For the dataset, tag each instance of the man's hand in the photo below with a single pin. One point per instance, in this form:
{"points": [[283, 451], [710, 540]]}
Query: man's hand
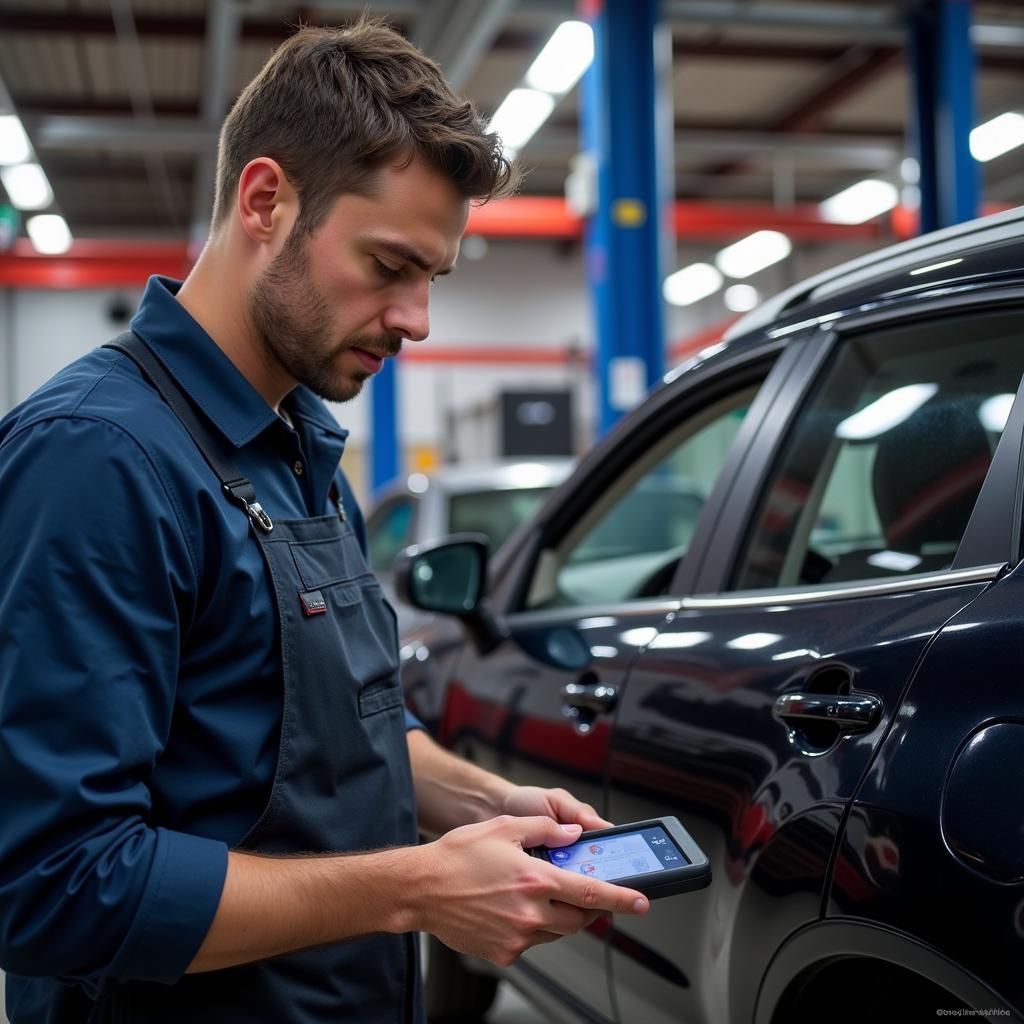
{"points": [[526, 801], [485, 896]]}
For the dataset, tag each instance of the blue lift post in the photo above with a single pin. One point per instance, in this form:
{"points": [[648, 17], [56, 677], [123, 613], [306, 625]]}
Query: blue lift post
{"points": [[625, 231], [943, 65], [384, 448]]}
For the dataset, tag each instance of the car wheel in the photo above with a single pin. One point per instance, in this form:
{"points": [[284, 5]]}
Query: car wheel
{"points": [[452, 992]]}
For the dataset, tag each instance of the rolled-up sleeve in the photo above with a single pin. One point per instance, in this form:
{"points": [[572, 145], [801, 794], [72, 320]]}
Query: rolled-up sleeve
{"points": [[97, 586]]}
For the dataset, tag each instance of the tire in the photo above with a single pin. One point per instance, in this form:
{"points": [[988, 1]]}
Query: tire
{"points": [[453, 993]]}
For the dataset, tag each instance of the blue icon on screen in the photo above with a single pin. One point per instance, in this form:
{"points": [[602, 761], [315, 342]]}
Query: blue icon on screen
{"points": [[560, 856]]}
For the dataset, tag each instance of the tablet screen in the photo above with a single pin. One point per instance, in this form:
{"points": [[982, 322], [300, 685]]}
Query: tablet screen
{"points": [[621, 855]]}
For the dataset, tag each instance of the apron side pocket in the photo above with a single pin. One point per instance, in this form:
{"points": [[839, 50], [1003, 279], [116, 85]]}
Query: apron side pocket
{"points": [[379, 695]]}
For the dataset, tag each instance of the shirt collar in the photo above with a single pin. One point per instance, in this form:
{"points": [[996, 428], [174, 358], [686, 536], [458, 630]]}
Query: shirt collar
{"points": [[199, 365]]}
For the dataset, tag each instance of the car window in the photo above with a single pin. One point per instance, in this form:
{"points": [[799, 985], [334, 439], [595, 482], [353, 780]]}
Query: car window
{"points": [[494, 513], [389, 530], [629, 543], [882, 468]]}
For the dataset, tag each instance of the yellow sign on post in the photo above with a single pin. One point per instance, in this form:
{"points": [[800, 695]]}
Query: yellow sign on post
{"points": [[629, 213]]}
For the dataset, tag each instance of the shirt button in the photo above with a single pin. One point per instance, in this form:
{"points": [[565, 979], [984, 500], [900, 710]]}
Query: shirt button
{"points": [[298, 468]]}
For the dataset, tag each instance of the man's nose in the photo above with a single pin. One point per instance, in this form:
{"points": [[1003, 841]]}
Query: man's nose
{"points": [[410, 317]]}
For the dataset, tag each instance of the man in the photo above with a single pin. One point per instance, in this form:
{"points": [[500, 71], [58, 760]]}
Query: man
{"points": [[208, 800]]}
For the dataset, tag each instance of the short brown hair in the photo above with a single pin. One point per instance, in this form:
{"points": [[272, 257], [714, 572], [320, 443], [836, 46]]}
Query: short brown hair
{"points": [[332, 105]]}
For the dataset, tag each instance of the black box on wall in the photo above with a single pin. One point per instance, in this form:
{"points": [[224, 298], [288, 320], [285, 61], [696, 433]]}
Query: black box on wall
{"points": [[536, 423]]}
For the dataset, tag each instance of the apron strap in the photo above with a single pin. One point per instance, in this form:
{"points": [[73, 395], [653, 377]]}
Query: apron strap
{"points": [[238, 490]]}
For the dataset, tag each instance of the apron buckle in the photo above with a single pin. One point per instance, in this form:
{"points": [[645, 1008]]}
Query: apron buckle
{"points": [[241, 493], [258, 516]]}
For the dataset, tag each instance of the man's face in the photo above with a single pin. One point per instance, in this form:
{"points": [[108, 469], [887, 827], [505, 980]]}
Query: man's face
{"points": [[331, 307]]}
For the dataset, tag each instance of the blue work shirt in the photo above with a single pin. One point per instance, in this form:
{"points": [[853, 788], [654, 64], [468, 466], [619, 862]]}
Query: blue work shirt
{"points": [[140, 660]]}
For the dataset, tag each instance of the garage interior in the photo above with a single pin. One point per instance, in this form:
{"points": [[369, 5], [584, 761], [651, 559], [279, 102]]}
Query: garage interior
{"points": [[776, 108], [741, 145]]}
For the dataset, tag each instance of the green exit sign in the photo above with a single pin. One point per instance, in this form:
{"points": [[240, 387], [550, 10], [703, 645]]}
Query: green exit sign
{"points": [[10, 221]]}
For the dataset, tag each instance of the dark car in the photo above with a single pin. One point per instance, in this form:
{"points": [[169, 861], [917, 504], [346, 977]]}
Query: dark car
{"points": [[823, 678]]}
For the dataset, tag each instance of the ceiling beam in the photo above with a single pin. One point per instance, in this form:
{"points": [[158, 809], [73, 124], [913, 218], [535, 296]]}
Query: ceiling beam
{"points": [[869, 153], [188, 135], [177, 134], [468, 36], [273, 20], [862, 22], [147, 26], [855, 68]]}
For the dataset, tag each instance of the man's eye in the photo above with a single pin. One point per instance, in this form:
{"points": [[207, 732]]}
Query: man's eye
{"points": [[385, 271]]}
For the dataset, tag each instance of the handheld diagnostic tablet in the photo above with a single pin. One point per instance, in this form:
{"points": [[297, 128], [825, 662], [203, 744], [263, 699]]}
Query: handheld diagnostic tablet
{"points": [[657, 857]]}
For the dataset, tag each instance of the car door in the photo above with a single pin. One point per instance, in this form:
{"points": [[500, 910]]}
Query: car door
{"points": [[753, 713], [931, 849], [538, 708]]}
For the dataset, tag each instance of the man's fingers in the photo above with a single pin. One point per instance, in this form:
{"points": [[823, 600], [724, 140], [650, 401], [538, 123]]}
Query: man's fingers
{"points": [[590, 894], [565, 919], [542, 831]]}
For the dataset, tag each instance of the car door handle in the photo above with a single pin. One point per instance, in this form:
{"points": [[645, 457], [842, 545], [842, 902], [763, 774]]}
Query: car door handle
{"points": [[598, 698], [583, 702], [850, 713]]}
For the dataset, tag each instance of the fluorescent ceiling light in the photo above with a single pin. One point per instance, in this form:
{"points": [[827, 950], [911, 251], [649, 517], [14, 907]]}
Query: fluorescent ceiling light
{"points": [[567, 54], [994, 412], [521, 113], [49, 233], [692, 283], [27, 186], [860, 202], [14, 144], [741, 298], [886, 412], [753, 253], [998, 136]]}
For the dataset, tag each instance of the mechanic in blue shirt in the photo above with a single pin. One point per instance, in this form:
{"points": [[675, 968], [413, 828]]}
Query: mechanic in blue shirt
{"points": [[210, 790]]}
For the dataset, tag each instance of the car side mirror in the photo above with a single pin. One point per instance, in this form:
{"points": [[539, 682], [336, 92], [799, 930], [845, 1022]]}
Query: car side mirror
{"points": [[448, 576]]}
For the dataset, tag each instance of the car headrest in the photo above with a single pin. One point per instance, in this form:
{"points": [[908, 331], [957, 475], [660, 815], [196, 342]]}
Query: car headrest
{"points": [[927, 473]]}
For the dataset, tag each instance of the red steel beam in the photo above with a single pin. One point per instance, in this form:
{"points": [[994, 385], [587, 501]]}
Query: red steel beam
{"points": [[93, 264], [550, 217]]}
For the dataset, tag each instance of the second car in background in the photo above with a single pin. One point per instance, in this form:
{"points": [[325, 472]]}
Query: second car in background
{"points": [[492, 499]]}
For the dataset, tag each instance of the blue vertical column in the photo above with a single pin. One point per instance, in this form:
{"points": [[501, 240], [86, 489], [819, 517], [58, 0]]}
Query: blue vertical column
{"points": [[384, 443], [623, 234], [943, 65]]}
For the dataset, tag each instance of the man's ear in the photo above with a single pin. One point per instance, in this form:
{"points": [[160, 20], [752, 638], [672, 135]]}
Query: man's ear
{"points": [[267, 204]]}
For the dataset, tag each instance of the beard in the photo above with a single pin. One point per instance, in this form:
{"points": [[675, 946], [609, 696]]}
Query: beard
{"points": [[294, 326]]}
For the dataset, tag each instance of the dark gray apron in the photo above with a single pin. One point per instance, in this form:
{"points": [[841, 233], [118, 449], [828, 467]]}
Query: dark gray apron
{"points": [[342, 782]]}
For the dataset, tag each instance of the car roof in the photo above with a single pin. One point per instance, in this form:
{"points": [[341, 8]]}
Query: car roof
{"points": [[886, 269]]}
